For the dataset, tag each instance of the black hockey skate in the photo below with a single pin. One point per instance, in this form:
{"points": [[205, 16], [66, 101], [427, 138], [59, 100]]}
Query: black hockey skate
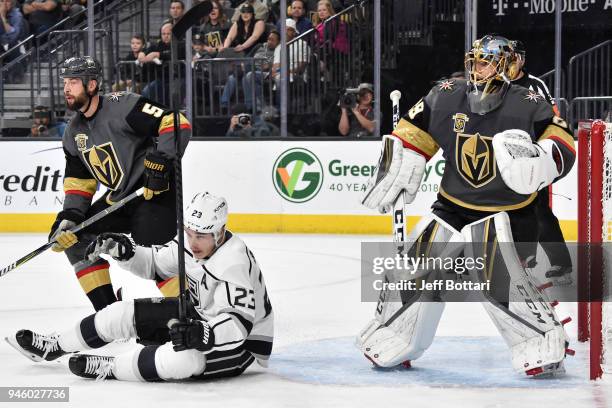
{"points": [[90, 366], [35, 346], [560, 275]]}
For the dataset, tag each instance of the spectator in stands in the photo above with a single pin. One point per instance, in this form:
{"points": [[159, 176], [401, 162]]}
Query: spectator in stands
{"points": [[70, 8], [198, 52], [297, 12], [298, 55], [43, 124], [260, 9], [177, 9], [358, 120], [247, 32], [13, 29], [332, 34], [264, 59], [130, 70], [42, 14], [264, 56], [156, 67], [214, 30]]}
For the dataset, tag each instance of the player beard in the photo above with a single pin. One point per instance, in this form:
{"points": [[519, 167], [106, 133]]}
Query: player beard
{"points": [[78, 101]]}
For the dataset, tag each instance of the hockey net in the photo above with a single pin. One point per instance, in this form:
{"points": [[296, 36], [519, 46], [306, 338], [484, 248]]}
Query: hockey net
{"points": [[595, 242]]}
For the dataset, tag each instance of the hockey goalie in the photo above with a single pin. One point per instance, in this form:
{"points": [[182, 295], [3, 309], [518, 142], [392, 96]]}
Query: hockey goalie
{"points": [[502, 144]]}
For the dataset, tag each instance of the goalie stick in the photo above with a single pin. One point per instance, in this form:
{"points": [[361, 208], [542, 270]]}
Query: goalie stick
{"points": [[399, 219], [76, 229]]}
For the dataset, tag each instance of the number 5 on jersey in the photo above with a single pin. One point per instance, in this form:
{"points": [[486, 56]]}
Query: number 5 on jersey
{"points": [[154, 111]]}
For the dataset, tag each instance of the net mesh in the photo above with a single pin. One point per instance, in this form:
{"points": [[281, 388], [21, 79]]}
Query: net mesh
{"points": [[607, 250]]}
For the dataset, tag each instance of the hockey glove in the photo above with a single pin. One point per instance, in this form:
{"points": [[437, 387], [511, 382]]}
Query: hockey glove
{"points": [[191, 334], [119, 246], [526, 167], [156, 167], [60, 230]]}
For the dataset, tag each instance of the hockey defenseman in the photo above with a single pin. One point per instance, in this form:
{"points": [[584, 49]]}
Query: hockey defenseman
{"points": [[231, 318], [121, 141], [502, 144]]}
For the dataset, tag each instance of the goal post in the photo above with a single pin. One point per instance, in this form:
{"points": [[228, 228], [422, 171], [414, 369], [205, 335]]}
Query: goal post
{"points": [[594, 233]]}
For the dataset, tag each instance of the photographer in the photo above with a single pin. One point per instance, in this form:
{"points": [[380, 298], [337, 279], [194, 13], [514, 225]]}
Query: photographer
{"points": [[43, 126], [357, 119], [243, 125]]}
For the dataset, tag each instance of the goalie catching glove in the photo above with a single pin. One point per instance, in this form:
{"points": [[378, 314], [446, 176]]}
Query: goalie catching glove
{"points": [[525, 166], [399, 169], [156, 166], [119, 246], [191, 334], [60, 230]]}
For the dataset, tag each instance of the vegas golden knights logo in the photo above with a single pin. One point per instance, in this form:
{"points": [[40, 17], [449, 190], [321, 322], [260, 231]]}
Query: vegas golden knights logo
{"points": [[214, 39], [475, 159], [104, 165]]}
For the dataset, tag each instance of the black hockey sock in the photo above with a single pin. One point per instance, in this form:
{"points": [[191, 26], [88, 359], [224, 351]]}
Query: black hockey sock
{"points": [[101, 297], [89, 332], [146, 364]]}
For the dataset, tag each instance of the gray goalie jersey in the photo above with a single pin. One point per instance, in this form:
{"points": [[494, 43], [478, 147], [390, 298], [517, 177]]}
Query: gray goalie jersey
{"points": [[227, 290], [471, 180], [109, 147]]}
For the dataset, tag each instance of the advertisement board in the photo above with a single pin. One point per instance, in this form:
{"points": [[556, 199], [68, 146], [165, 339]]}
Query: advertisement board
{"points": [[271, 186]]}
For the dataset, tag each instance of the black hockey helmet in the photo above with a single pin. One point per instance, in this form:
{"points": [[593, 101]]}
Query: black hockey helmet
{"points": [[85, 67]]}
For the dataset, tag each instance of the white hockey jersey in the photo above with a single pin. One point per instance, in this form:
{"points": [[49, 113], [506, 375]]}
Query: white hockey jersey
{"points": [[227, 290]]}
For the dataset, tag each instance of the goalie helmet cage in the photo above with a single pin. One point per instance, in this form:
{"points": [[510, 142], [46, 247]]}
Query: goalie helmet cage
{"points": [[594, 234]]}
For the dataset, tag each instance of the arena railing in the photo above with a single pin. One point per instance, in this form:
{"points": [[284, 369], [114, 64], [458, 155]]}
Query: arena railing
{"points": [[151, 80], [15, 58], [589, 72], [63, 44], [589, 107]]}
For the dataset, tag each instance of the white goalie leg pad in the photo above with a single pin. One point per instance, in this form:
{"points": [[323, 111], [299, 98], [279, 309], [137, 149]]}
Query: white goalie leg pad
{"points": [[401, 330], [116, 321], [529, 324], [126, 365], [177, 365], [399, 169], [406, 338], [526, 167]]}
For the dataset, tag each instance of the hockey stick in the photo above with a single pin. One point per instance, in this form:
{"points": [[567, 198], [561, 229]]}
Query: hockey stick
{"points": [[399, 219], [76, 229], [189, 19]]}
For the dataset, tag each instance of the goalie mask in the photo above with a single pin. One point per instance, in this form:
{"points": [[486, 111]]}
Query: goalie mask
{"points": [[487, 64], [207, 214]]}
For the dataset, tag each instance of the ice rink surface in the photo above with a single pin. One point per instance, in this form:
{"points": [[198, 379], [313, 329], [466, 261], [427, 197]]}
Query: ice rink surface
{"points": [[314, 285]]}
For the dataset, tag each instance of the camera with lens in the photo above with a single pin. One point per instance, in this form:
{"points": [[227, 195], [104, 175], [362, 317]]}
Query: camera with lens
{"points": [[244, 120], [349, 99]]}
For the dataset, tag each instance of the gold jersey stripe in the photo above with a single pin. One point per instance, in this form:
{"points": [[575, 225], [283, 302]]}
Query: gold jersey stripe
{"points": [[167, 122], [95, 279], [560, 133], [170, 287], [416, 137], [86, 185], [485, 207]]}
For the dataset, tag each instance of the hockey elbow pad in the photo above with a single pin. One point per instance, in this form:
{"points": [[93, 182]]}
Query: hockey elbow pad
{"points": [[399, 169]]}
